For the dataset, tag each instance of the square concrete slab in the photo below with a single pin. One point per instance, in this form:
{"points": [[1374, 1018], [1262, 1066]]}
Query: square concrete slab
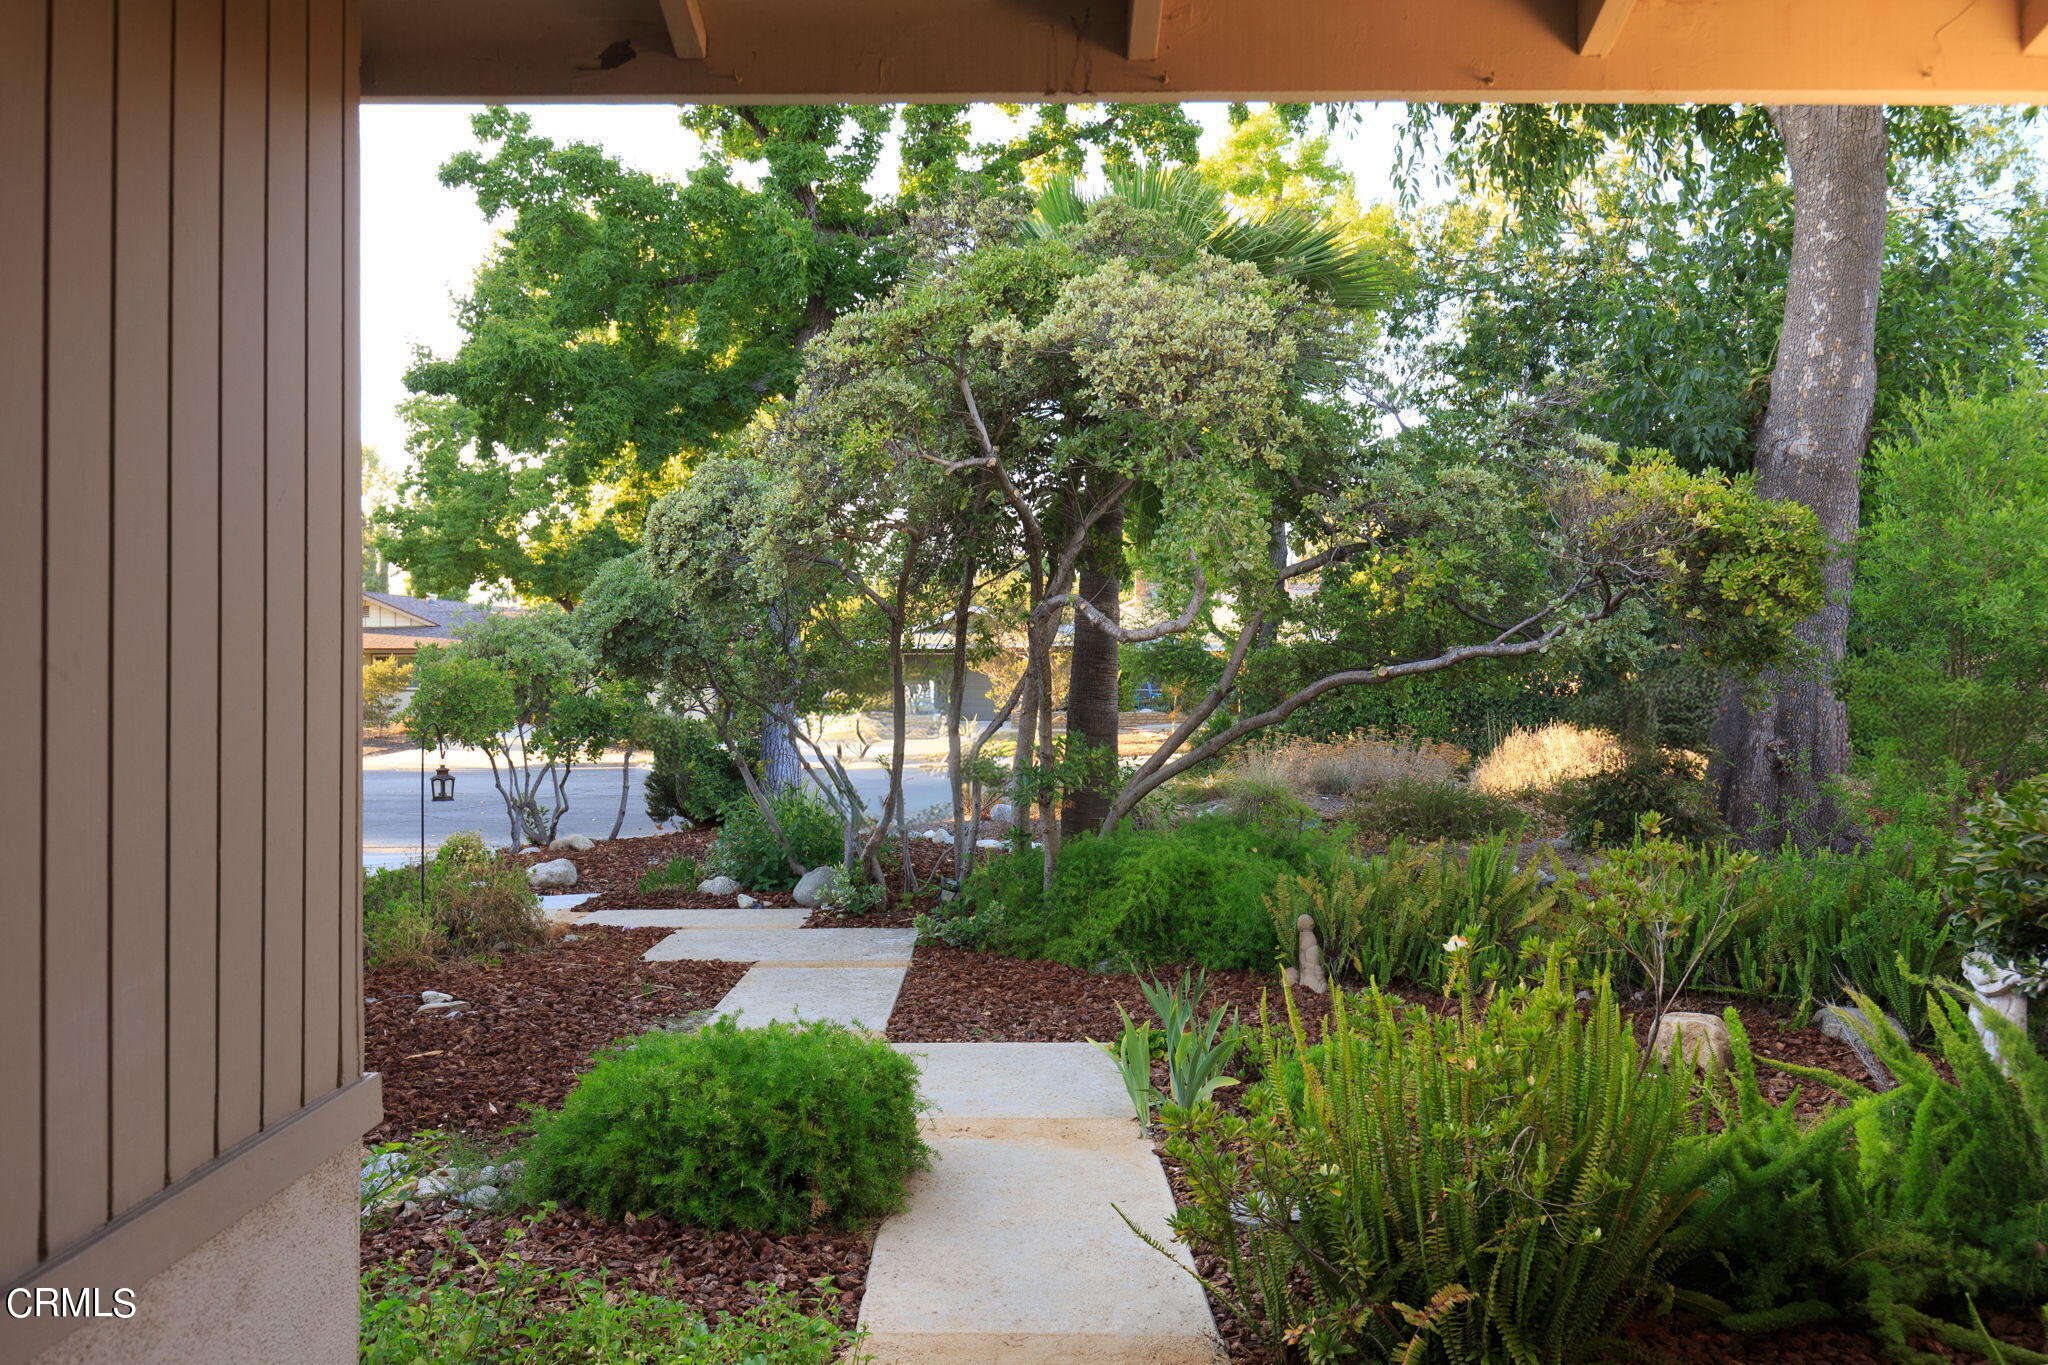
{"points": [[761, 917], [561, 904], [1011, 1252], [860, 997], [790, 947], [988, 1081]]}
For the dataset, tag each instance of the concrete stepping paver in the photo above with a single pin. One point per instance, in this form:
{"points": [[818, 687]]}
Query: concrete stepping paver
{"points": [[1022, 1089], [1011, 1252], [859, 997], [761, 917], [791, 947]]}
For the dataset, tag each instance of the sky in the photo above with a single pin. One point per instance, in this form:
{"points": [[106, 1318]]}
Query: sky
{"points": [[422, 243]]}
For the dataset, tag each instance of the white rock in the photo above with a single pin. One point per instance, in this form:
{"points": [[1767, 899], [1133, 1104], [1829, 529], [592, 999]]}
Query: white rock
{"points": [[810, 890], [717, 886], [573, 843], [1004, 812], [1701, 1039], [435, 1184], [478, 1197], [435, 997], [443, 1007], [747, 902], [551, 875], [992, 843]]}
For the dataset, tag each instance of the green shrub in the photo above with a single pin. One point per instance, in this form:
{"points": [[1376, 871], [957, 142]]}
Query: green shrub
{"points": [[465, 902], [1266, 803], [1928, 1199], [1998, 873], [771, 1129], [747, 851], [1386, 919], [1950, 658], [692, 777], [1605, 808], [384, 683], [1420, 809], [523, 1314], [674, 872], [1509, 1176], [1140, 898]]}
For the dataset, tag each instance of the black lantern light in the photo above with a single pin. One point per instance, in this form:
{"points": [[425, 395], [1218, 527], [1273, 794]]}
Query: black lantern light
{"points": [[444, 784]]}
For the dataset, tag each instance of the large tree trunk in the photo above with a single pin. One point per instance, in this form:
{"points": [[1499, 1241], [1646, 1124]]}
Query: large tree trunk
{"points": [[1773, 762], [1092, 672], [781, 765]]}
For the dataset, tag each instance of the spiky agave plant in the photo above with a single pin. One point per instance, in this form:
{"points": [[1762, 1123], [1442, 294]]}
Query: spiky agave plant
{"points": [[1498, 1183]]}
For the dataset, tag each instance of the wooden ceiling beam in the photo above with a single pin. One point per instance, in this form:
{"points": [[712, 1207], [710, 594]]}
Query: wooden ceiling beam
{"points": [[1143, 43], [1600, 24], [685, 27]]}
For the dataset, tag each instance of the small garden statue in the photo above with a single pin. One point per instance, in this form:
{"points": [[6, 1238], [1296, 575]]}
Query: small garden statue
{"points": [[1998, 884], [2000, 989], [1308, 956]]}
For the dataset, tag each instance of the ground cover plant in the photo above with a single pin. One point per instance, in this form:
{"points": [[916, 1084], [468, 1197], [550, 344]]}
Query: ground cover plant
{"points": [[462, 902], [524, 1314], [1194, 893], [777, 1128], [748, 851]]}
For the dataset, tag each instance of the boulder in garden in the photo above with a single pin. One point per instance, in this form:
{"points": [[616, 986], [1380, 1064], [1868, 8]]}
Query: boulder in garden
{"points": [[810, 890], [551, 876], [573, 843], [1701, 1039], [717, 886]]}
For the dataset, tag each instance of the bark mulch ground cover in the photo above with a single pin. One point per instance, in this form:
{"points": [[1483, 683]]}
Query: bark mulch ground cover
{"points": [[710, 1271], [615, 866], [533, 1019]]}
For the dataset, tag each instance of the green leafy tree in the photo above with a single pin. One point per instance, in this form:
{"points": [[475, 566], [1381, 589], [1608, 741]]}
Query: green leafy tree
{"points": [[1774, 758], [1951, 660], [516, 687]]}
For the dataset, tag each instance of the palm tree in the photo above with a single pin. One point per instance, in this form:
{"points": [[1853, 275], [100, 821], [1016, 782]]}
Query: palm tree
{"points": [[1284, 244]]}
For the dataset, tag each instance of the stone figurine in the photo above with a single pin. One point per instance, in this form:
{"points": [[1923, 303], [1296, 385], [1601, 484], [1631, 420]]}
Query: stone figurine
{"points": [[1997, 987]]}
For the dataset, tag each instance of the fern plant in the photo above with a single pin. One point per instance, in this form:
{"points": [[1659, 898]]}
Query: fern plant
{"points": [[1498, 1183], [1899, 1210]]}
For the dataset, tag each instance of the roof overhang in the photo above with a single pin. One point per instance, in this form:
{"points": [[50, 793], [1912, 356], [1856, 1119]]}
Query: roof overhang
{"points": [[795, 51]]}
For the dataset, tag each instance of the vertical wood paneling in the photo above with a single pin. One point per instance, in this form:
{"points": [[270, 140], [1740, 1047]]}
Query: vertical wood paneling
{"points": [[244, 146], [195, 666], [24, 57], [76, 600], [327, 730], [177, 371], [138, 778], [351, 925], [284, 610]]}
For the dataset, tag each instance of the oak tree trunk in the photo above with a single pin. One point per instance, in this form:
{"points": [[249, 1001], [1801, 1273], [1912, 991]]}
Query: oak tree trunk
{"points": [[1774, 759], [1092, 677]]}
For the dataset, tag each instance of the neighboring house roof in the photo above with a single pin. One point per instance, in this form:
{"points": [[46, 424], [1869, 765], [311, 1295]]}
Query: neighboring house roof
{"points": [[437, 617]]}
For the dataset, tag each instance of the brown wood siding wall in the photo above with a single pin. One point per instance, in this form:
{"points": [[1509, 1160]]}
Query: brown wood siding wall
{"points": [[178, 672]]}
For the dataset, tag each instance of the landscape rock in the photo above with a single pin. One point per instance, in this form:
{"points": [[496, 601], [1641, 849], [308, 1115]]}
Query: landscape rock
{"points": [[1701, 1039], [435, 997], [1845, 1024], [478, 1197], [443, 1007], [747, 902], [573, 843], [551, 876], [811, 889], [1003, 811], [717, 886]]}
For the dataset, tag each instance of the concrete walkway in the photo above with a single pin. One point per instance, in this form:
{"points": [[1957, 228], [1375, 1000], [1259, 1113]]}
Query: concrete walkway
{"points": [[1013, 1249]]}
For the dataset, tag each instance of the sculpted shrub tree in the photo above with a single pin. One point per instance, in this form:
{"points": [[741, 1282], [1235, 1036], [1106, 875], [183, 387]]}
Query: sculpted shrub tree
{"points": [[1013, 362], [517, 688]]}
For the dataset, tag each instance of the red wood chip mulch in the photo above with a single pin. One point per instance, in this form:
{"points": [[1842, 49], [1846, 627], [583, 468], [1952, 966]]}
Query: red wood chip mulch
{"points": [[710, 1271], [532, 1021]]}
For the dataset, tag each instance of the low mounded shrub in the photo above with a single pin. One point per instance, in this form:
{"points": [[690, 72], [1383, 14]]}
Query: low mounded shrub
{"points": [[1421, 809], [692, 778], [747, 851], [771, 1129], [1508, 1174], [1140, 898], [465, 902], [1606, 807]]}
